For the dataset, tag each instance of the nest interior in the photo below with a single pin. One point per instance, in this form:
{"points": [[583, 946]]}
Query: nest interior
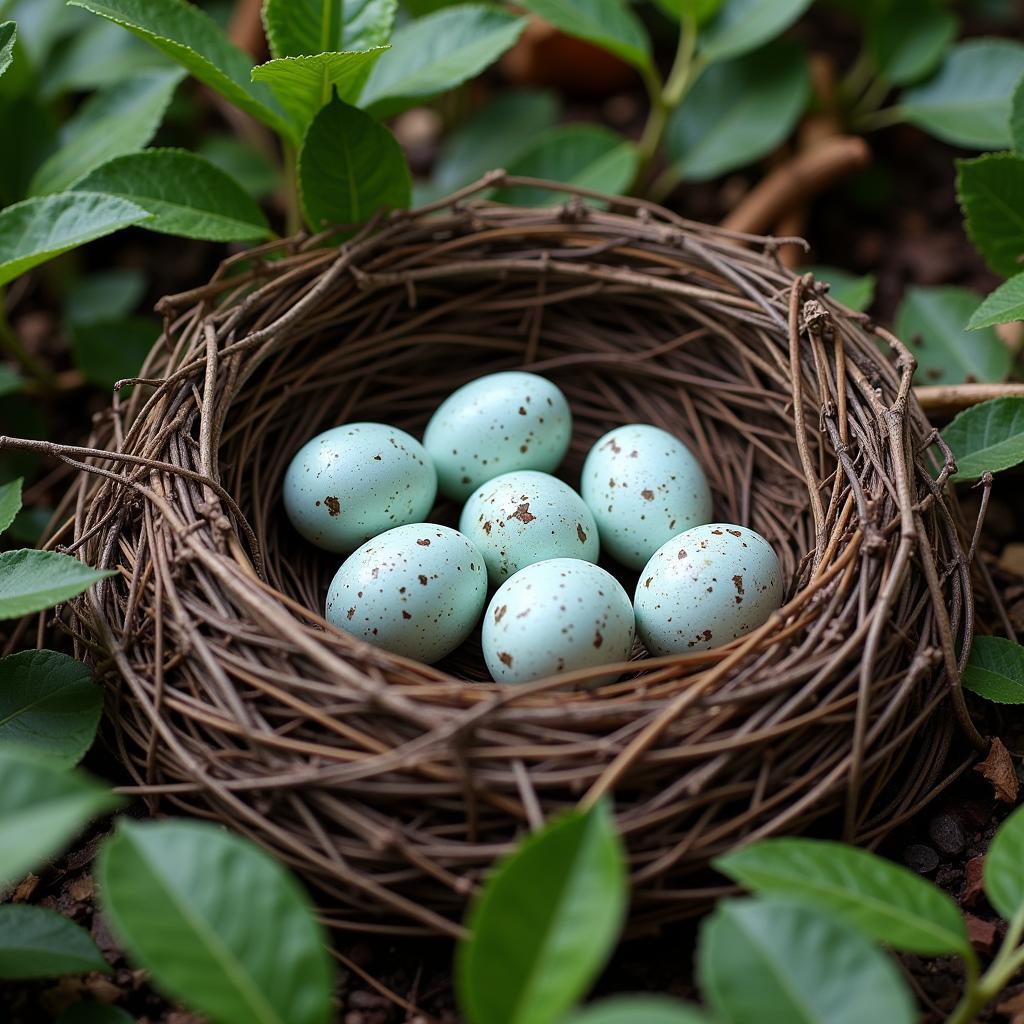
{"points": [[392, 786]]}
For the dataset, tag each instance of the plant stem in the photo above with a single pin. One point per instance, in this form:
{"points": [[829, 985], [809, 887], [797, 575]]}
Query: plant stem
{"points": [[979, 992], [293, 211], [11, 344], [858, 78], [874, 120]]}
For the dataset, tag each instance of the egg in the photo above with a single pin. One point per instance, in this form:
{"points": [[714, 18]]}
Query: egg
{"points": [[416, 590], [644, 486], [520, 518], [496, 424], [354, 481], [557, 616], [709, 585]]}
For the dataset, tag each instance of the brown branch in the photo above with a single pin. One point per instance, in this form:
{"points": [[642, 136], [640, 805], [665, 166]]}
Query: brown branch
{"points": [[950, 398]]}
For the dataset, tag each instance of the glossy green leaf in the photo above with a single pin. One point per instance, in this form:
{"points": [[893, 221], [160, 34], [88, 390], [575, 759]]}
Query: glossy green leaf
{"points": [[588, 155], [1003, 306], [639, 1010], [191, 37], [33, 580], [743, 25], [1017, 117], [26, 118], [48, 702], [303, 85], [995, 670], [186, 194], [10, 503], [886, 901], [967, 102], [1004, 879], [438, 52], [544, 924], [219, 923], [43, 806], [350, 166], [991, 193], [987, 438], [932, 322], [851, 290], [40, 943], [250, 167], [120, 119], [495, 136], [104, 295], [94, 1013], [907, 39], [111, 350], [42, 24], [770, 962], [304, 27], [609, 24], [8, 35], [36, 230], [739, 111]]}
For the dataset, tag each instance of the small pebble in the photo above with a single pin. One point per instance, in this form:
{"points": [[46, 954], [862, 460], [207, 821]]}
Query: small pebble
{"points": [[946, 832], [920, 858]]}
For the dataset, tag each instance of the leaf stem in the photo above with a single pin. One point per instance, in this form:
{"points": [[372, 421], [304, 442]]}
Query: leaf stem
{"points": [[876, 119], [12, 345], [979, 992], [293, 210]]}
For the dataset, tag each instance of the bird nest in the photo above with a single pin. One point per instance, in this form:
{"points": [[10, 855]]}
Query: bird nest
{"points": [[393, 786]]}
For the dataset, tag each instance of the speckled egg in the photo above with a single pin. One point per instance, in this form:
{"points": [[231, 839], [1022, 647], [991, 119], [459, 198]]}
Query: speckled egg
{"points": [[354, 481], [520, 518], [707, 586], [416, 590], [557, 616], [644, 486], [496, 424]]}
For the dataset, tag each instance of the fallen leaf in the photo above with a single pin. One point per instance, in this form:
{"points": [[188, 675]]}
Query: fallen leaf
{"points": [[82, 889], [982, 934], [25, 888], [1012, 559], [998, 769], [1013, 1008], [974, 884]]}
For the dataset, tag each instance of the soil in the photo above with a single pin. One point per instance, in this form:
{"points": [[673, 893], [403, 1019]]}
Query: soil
{"points": [[898, 221]]}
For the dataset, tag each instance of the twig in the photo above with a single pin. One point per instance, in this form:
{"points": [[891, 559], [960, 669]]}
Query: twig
{"points": [[947, 398]]}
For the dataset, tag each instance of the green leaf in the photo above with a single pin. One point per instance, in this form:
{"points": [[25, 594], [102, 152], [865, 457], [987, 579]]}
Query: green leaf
{"points": [[94, 1013], [192, 38], [588, 155], [887, 902], [1017, 117], [249, 166], [10, 503], [303, 85], [33, 580], [744, 25], [933, 323], [545, 923], [120, 119], [111, 350], [1003, 306], [701, 10], [991, 193], [987, 437], [739, 111], [8, 35], [42, 807], [907, 39], [186, 194], [968, 102], [302, 27], [103, 295], [1004, 880], [10, 380], [40, 943], [36, 230], [23, 117], [638, 1010], [495, 136], [609, 24], [219, 923], [995, 670], [435, 53], [48, 702], [850, 290], [769, 962], [350, 166]]}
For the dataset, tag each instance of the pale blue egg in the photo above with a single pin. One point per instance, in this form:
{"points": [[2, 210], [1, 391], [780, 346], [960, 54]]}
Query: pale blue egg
{"points": [[520, 518], [554, 617], [706, 587], [354, 481], [644, 486], [416, 590], [496, 424]]}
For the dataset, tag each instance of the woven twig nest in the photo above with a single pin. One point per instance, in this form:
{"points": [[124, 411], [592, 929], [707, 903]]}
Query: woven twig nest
{"points": [[392, 786]]}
